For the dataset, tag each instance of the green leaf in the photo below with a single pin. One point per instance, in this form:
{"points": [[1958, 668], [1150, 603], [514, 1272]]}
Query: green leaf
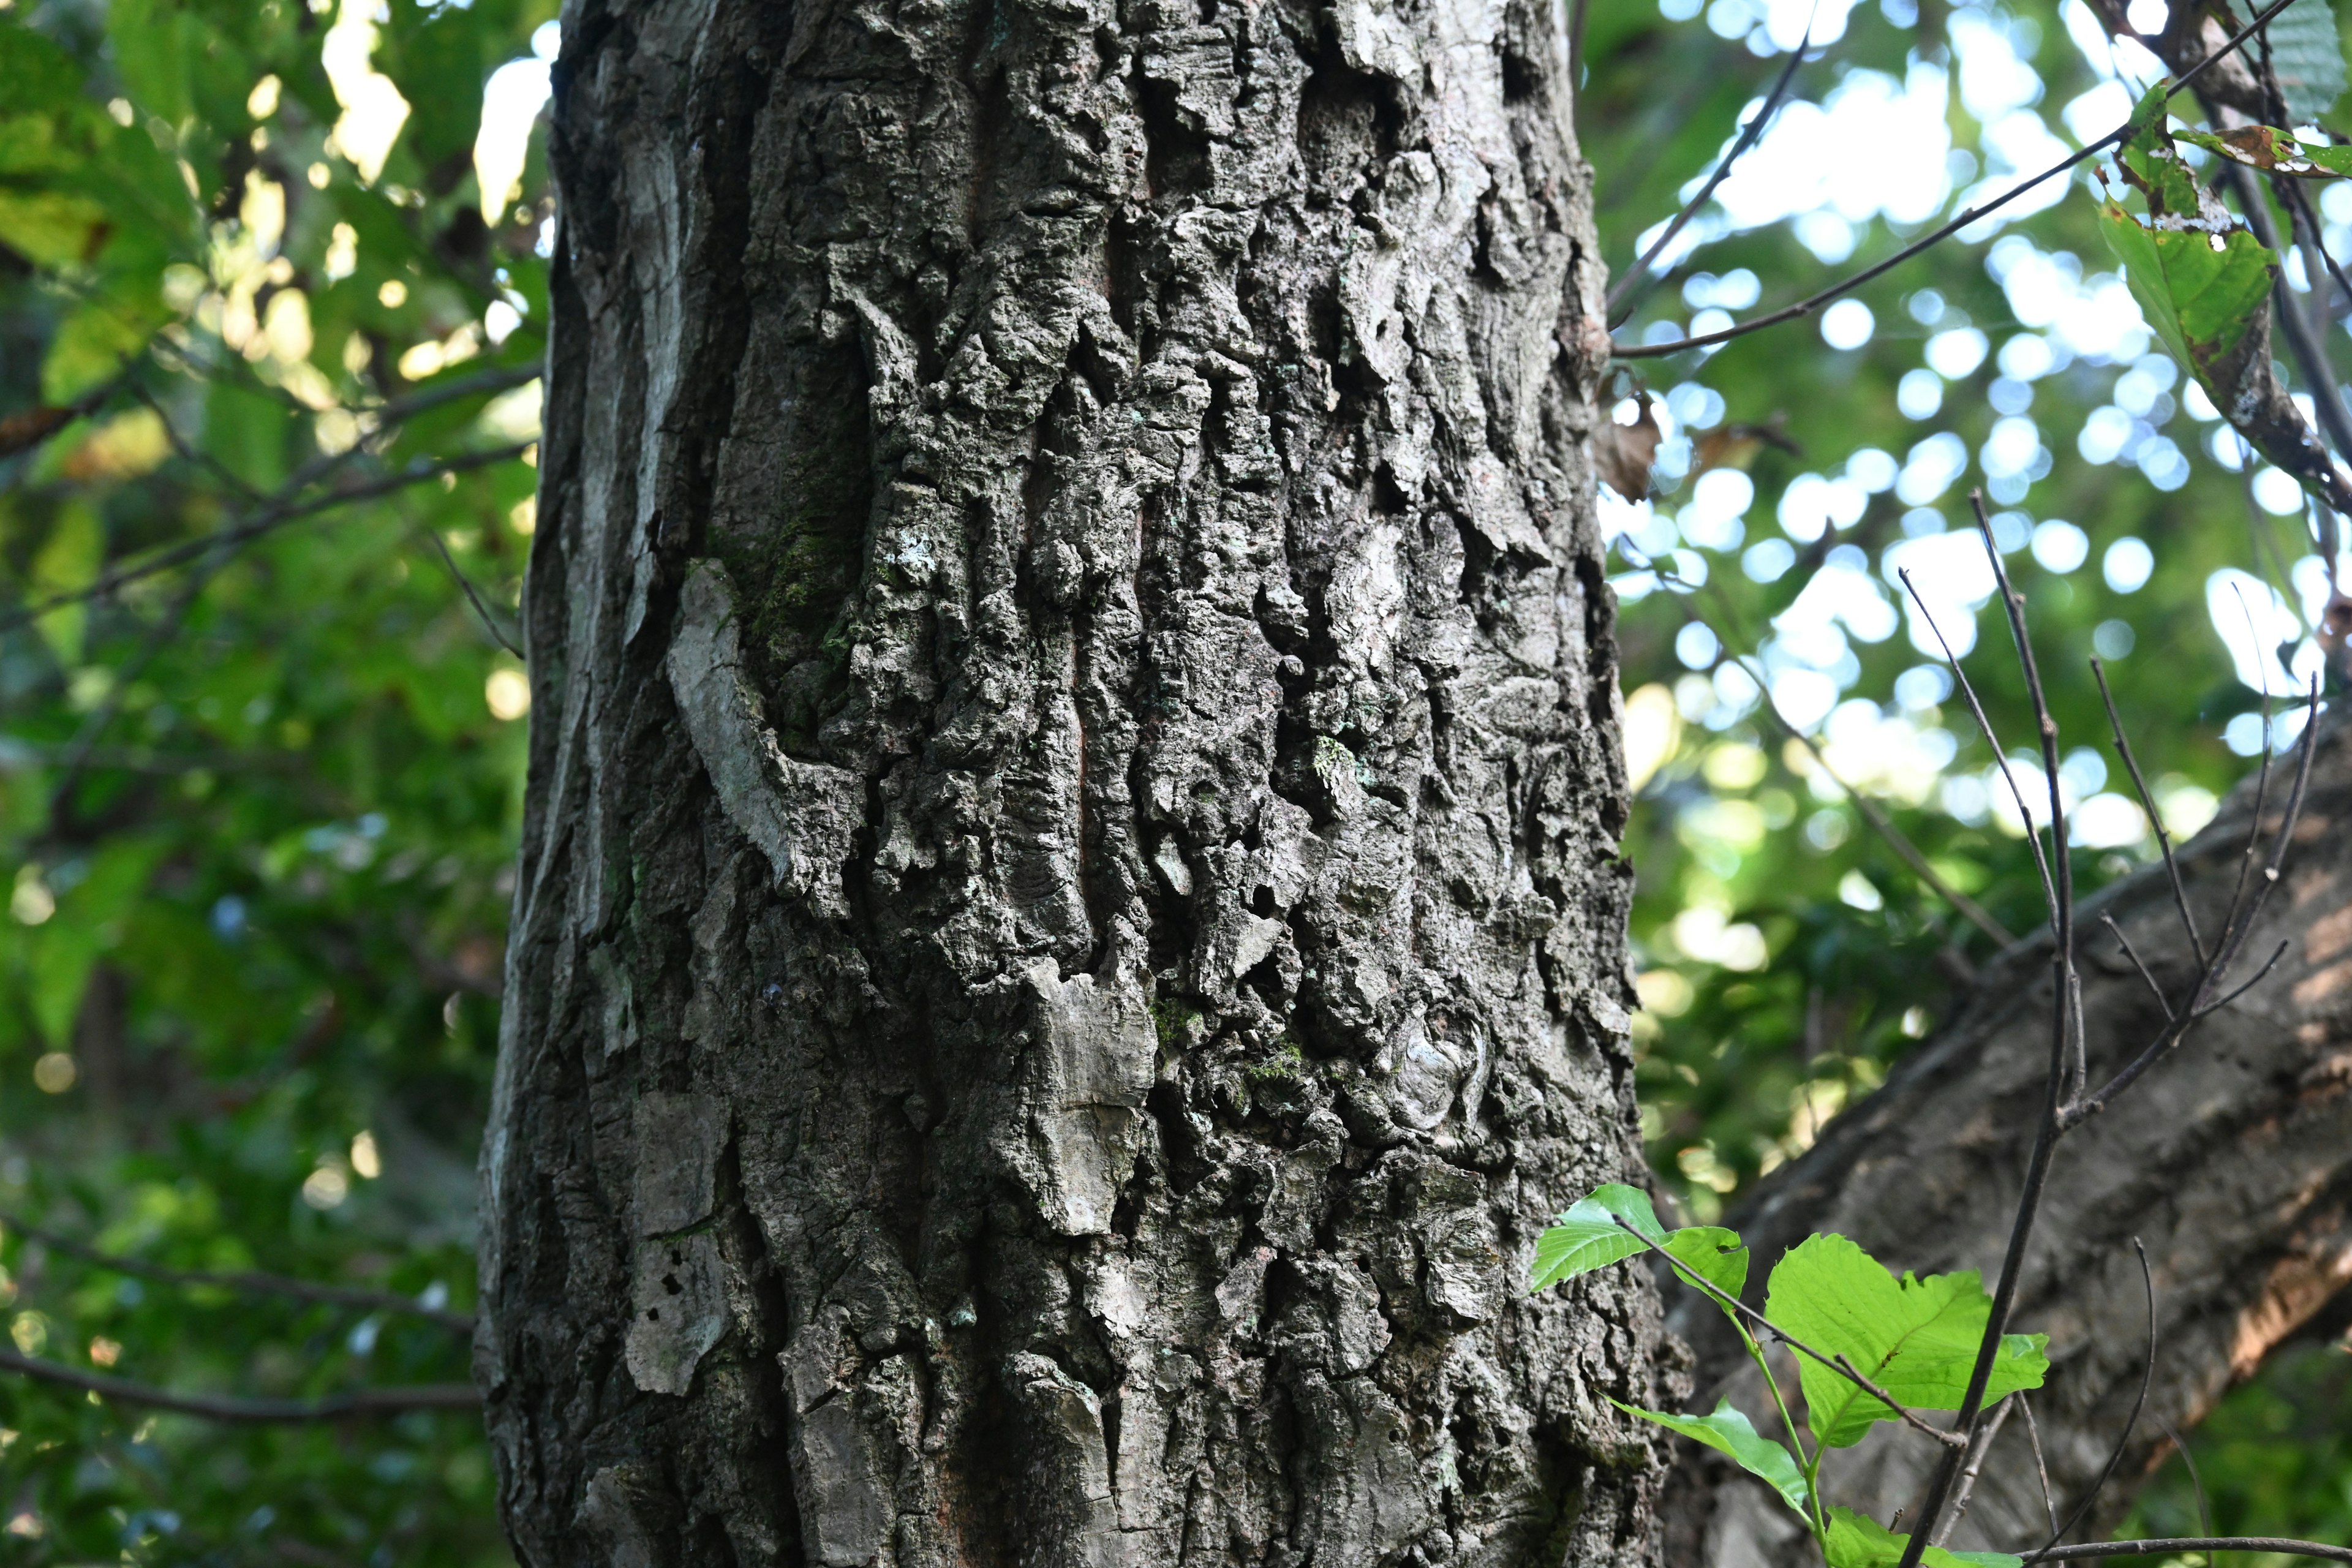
{"points": [[2308, 58], [1856, 1541], [2150, 162], [91, 346], [1715, 1255], [1915, 1338], [1728, 1431], [2200, 289], [1586, 1235]]}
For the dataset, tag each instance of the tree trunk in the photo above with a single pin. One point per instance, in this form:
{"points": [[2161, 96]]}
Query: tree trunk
{"points": [[1070, 931], [2231, 1161]]}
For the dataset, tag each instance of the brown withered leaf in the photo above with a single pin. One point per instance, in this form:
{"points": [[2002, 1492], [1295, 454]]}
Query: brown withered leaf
{"points": [[1736, 445], [1624, 452]]}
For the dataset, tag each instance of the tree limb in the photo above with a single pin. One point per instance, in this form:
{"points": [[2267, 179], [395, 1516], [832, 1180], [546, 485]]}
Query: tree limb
{"points": [[358, 1402]]}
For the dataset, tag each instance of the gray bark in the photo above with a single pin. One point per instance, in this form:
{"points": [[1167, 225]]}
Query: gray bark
{"points": [[2231, 1161], [1070, 930]]}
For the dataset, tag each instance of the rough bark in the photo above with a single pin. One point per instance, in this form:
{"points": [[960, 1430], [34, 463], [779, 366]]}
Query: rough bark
{"points": [[1070, 931], [2231, 1161]]}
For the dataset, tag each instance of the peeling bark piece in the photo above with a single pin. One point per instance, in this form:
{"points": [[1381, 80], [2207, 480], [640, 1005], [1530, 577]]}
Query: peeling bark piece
{"points": [[1095, 1053], [1068, 1518], [677, 1137], [802, 816], [678, 1304]]}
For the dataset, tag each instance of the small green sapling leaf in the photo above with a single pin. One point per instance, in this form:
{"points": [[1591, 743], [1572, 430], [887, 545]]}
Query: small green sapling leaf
{"points": [[1715, 1255], [1728, 1431], [1915, 1338], [1587, 1235], [1856, 1541]]}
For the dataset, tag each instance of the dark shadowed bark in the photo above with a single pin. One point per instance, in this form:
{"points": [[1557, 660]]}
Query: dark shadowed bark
{"points": [[1070, 931], [2231, 1161]]}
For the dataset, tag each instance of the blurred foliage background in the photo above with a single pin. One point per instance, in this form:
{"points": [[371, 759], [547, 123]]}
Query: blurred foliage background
{"points": [[1786, 952], [266, 360], [271, 304]]}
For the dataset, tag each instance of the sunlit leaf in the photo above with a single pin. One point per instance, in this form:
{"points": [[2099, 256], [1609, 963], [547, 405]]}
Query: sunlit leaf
{"points": [[1730, 1432]]}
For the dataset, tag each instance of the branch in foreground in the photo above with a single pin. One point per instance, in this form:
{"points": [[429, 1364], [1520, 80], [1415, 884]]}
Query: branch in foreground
{"points": [[224, 1408], [244, 1282], [2194, 1544], [273, 517], [1807, 306]]}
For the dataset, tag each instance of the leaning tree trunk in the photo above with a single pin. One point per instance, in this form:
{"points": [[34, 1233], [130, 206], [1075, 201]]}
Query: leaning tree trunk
{"points": [[2231, 1161], [1070, 930]]}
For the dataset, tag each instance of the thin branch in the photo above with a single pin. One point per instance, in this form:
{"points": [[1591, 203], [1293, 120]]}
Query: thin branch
{"points": [[1837, 1363], [1748, 136], [2131, 1423], [2232, 937], [1878, 821], [2170, 1544], [269, 520], [223, 1407], [2155, 817], [2195, 1481], [191, 454], [489, 622], [2061, 895], [1974, 1465], [2261, 974], [2133, 953], [101, 718], [1807, 306], [2041, 1468], [2008, 774], [244, 1282]]}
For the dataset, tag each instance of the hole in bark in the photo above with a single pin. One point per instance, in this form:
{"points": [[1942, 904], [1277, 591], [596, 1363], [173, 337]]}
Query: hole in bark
{"points": [[1519, 78], [670, 1284], [1350, 122], [653, 1314]]}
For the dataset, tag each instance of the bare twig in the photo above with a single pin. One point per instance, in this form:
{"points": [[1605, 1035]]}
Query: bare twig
{"points": [[2232, 937], [101, 718], [1748, 136], [2131, 1424], [269, 518], [1984, 725], [1807, 305], [489, 622], [1878, 821], [2133, 953], [2041, 1468], [2061, 892], [1969, 1471], [2170, 1544], [223, 1407], [2155, 817], [2260, 976], [2195, 1481], [244, 1282]]}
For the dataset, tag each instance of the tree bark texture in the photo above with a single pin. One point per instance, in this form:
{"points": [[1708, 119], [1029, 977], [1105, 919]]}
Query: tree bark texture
{"points": [[2231, 1161], [1070, 930]]}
